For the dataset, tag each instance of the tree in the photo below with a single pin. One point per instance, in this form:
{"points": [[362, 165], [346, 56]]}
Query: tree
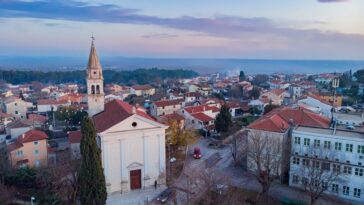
{"points": [[269, 108], [316, 174], [91, 177], [359, 75], [254, 93], [264, 159], [177, 136], [241, 76], [238, 146], [223, 120]]}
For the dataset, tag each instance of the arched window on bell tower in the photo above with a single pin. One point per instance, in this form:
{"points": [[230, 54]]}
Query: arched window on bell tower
{"points": [[92, 89], [97, 89]]}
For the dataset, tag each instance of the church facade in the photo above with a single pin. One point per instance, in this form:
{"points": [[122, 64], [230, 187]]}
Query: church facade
{"points": [[132, 143]]}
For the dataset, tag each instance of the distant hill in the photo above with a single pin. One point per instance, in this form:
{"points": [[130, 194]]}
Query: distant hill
{"points": [[139, 76]]}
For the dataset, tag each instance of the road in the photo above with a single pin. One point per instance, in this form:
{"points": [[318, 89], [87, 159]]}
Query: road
{"points": [[219, 163]]}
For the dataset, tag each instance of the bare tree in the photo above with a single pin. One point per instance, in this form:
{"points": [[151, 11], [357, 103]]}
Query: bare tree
{"points": [[238, 143], [264, 159], [318, 171]]}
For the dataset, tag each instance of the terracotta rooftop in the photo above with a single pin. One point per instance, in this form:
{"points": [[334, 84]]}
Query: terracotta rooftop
{"points": [[164, 103], [278, 119], [115, 112], [32, 135], [142, 87], [202, 117], [278, 91], [37, 118], [201, 108]]}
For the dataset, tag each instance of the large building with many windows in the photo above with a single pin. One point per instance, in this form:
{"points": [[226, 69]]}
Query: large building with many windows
{"points": [[339, 154]]}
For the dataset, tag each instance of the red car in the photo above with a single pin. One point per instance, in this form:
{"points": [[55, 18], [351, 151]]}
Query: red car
{"points": [[197, 153]]}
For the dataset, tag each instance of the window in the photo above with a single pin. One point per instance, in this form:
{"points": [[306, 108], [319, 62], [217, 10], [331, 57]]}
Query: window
{"points": [[357, 192], [296, 160], [306, 142], [358, 172], [349, 147], [297, 140], [336, 168], [338, 146], [316, 164], [19, 153], [346, 190], [304, 181], [316, 143], [37, 163], [36, 152], [295, 179], [325, 185], [361, 149], [327, 144], [16, 104], [16, 112], [134, 124], [97, 89], [335, 188], [306, 162], [347, 170], [35, 142], [326, 166], [92, 89]]}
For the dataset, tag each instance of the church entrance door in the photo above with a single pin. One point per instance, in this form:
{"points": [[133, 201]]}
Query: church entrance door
{"points": [[135, 179]]}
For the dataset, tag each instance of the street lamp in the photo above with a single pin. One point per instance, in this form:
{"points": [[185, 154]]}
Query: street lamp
{"points": [[32, 199]]}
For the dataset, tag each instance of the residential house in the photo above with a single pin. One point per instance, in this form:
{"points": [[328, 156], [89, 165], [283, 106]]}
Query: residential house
{"points": [[74, 140], [165, 107], [30, 149], [16, 106], [200, 117], [142, 90]]}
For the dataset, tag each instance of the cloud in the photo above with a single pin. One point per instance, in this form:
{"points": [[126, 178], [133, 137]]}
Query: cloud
{"points": [[258, 30], [160, 35], [331, 1]]}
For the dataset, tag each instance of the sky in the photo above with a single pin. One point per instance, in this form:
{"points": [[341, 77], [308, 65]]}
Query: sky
{"points": [[247, 29]]}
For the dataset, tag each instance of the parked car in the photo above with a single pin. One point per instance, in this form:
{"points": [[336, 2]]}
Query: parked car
{"points": [[197, 153], [165, 195]]}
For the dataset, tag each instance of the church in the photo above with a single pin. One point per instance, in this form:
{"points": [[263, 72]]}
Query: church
{"points": [[132, 143]]}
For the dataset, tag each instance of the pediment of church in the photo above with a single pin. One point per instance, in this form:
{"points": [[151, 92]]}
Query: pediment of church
{"points": [[134, 165]]}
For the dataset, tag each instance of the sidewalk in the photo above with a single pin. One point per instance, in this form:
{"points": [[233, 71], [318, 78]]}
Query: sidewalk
{"points": [[136, 197]]}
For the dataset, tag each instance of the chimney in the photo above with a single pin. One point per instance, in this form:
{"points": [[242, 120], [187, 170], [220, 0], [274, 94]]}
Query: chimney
{"points": [[133, 110], [23, 135], [204, 108]]}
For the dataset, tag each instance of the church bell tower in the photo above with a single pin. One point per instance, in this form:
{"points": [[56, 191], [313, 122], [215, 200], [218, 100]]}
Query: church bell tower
{"points": [[95, 83]]}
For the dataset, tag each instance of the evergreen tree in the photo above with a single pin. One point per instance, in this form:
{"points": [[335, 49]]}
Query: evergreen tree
{"points": [[254, 93], [223, 119], [91, 178], [241, 76]]}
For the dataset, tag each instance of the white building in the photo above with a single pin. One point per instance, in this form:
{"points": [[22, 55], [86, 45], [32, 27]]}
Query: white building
{"points": [[16, 106], [295, 91], [165, 107], [132, 143], [315, 104], [133, 147], [331, 150]]}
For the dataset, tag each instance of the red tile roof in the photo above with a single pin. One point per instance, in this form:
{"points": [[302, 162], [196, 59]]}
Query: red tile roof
{"points": [[173, 116], [142, 87], [14, 146], [278, 91], [74, 137], [278, 119], [37, 118], [202, 117], [164, 103], [115, 112], [201, 108], [32, 135]]}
